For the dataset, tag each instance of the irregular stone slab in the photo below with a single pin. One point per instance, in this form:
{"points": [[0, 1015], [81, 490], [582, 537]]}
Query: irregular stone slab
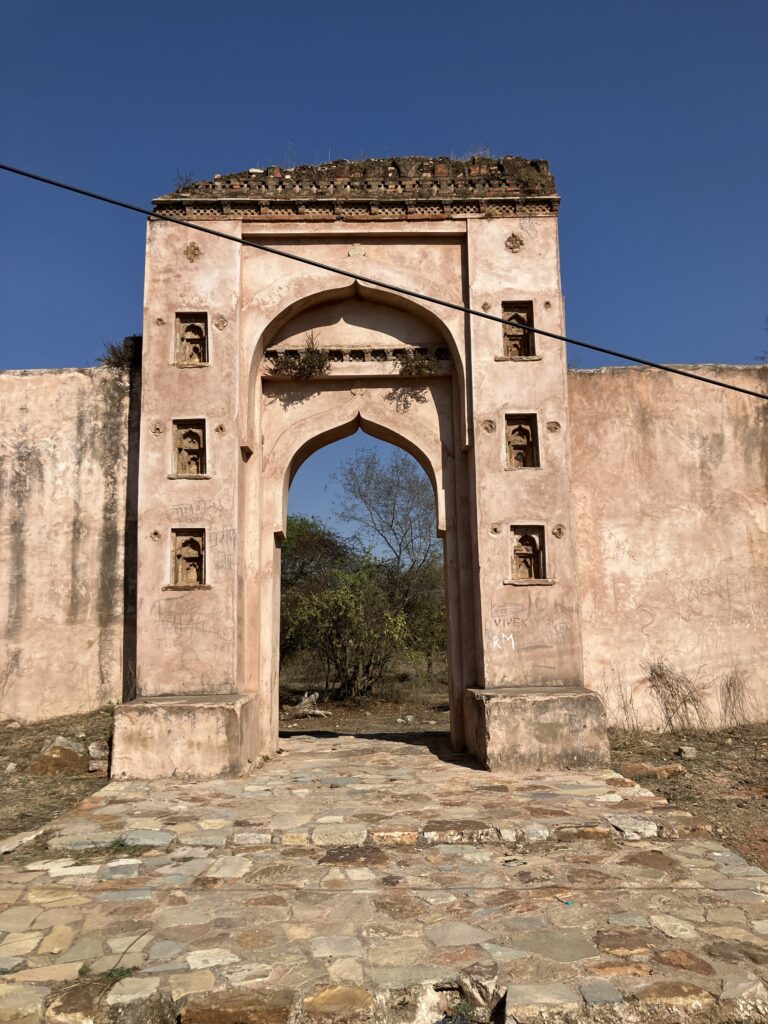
{"points": [[229, 867], [336, 945], [341, 1003], [589, 832], [22, 1004], [456, 933], [674, 927], [600, 993], [254, 837], [149, 837], [84, 840], [164, 949], [50, 973], [254, 1006], [633, 827], [210, 958], [47, 865], [11, 963], [564, 945], [58, 940], [125, 867], [741, 988], [190, 983], [531, 1002], [129, 990], [18, 919], [627, 941], [685, 961], [676, 993], [19, 943], [339, 835]]}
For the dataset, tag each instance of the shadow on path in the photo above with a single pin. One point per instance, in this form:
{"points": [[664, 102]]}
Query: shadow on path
{"points": [[437, 742]]}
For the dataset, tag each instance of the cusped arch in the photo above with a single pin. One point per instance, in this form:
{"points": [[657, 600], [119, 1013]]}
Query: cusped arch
{"points": [[296, 446]]}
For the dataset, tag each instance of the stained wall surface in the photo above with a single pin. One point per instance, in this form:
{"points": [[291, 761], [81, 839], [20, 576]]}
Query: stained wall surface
{"points": [[670, 512], [63, 474], [670, 502]]}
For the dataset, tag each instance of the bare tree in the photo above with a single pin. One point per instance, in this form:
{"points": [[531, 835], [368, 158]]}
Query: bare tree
{"points": [[392, 506]]}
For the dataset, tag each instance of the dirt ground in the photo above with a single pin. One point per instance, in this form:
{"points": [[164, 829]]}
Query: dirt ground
{"points": [[28, 801], [725, 784]]}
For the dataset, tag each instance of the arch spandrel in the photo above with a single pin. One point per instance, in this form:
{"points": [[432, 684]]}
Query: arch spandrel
{"points": [[300, 309]]}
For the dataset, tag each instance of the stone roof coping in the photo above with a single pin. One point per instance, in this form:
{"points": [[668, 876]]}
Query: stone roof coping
{"points": [[393, 188]]}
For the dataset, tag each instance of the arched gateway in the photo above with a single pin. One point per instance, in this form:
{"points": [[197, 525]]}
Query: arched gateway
{"points": [[481, 406]]}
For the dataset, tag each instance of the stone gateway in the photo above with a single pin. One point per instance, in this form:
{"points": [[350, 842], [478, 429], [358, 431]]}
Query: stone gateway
{"points": [[546, 555]]}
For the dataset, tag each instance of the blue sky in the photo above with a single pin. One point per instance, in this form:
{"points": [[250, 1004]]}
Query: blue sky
{"points": [[652, 115]]}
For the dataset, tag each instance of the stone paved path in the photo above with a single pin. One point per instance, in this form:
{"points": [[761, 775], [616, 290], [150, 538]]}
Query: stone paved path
{"points": [[354, 879]]}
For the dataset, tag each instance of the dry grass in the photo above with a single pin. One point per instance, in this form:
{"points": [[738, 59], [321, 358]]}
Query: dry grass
{"points": [[681, 701], [737, 704]]}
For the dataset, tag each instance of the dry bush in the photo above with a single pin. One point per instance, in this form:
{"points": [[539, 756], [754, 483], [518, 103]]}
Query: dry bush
{"points": [[620, 701], [124, 355], [681, 701], [737, 704]]}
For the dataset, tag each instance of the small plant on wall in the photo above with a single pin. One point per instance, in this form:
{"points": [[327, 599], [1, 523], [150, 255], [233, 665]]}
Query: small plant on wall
{"points": [[416, 362], [304, 364]]}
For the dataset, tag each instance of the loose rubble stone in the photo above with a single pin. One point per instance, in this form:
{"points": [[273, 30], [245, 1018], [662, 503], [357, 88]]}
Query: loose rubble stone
{"points": [[60, 755], [98, 750], [687, 753], [12, 843]]}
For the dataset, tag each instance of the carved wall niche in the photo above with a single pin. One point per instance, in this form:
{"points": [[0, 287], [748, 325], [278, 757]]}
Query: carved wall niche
{"points": [[528, 561], [522, 441], [518, 342], [191, 339], [189, 447], [188, 558]]}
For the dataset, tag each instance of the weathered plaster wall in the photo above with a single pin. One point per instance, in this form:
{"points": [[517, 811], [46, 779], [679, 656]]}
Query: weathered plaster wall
{"points": [[63, 470], [671, 513]]}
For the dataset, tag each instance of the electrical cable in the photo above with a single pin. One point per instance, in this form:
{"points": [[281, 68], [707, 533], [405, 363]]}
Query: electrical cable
{"points": [[458, 307]]}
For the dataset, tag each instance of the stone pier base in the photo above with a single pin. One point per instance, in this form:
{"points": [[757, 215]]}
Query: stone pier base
{"points": [[191, 736], [536, 727]]}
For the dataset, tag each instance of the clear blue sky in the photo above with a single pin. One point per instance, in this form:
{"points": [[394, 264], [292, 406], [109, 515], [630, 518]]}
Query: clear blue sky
{"points": [[652, 115]]}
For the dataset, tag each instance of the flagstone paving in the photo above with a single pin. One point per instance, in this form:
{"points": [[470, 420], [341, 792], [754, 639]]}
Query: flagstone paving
{"points": [[354, 879]]}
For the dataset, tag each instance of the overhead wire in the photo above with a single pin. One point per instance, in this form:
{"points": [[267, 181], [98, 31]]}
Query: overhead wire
{"points": [[399, 289]]}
